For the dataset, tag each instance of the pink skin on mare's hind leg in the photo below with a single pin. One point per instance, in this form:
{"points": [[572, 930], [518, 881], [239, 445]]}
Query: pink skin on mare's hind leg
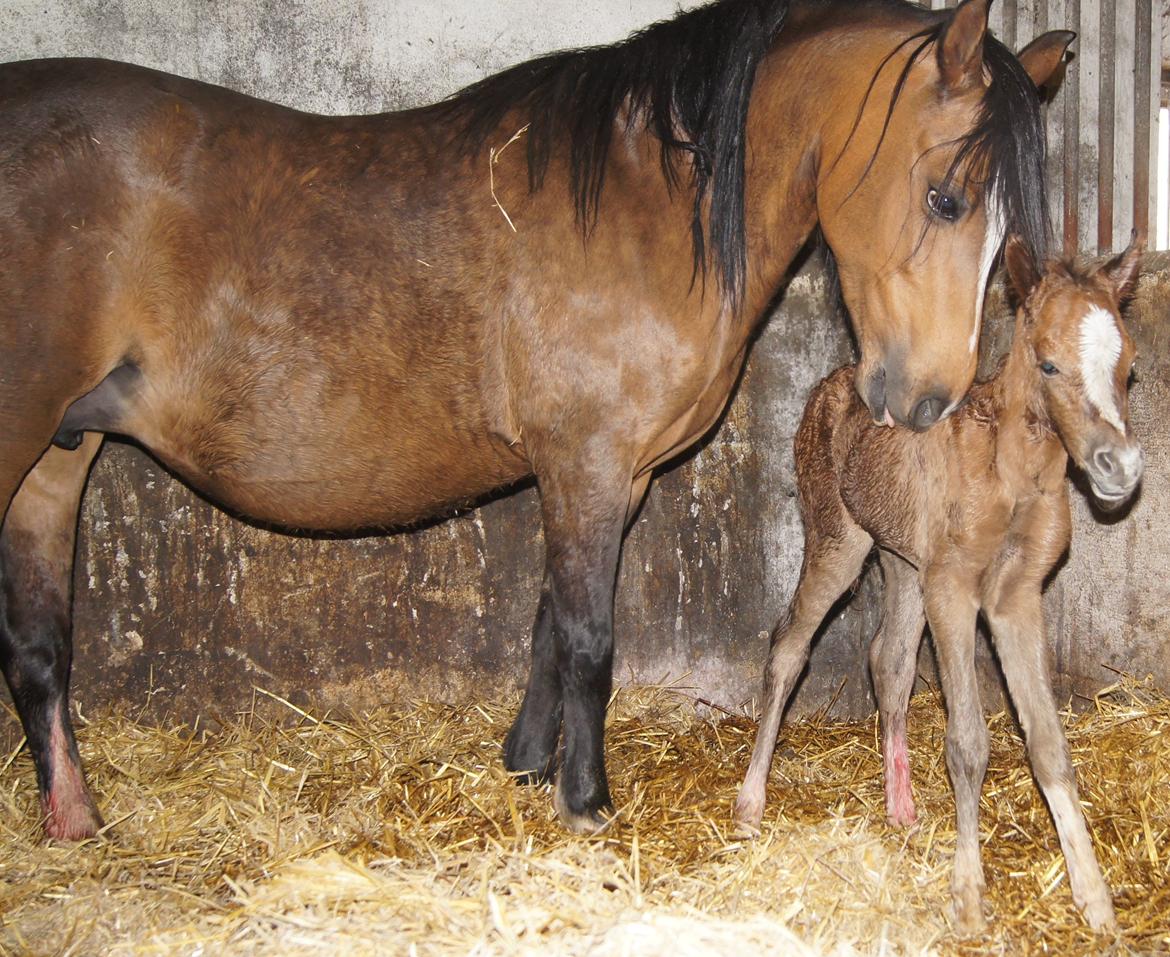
{"points": [[896, 772], [68, 808]]}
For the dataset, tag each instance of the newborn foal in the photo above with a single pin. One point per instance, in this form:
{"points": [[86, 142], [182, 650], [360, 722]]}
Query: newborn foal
{"points": [[971, 515]]}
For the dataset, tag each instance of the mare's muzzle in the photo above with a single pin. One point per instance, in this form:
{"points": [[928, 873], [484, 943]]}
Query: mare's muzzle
{"points": [[920, 413]]}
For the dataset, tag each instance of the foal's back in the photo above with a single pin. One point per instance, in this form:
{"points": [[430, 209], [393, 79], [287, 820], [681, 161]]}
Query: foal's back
{"points": [[915, 494]]}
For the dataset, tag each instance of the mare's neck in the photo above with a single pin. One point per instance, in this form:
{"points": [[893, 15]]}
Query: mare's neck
{"points": [[797, 85]]}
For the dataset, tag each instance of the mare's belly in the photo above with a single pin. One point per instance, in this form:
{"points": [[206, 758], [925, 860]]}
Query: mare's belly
{"points": [[328, 462], [353, 488]]}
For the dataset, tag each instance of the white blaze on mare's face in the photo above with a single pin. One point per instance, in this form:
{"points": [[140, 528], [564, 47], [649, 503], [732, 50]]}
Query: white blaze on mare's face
{"points": [[1100, 350], [991, 243]]}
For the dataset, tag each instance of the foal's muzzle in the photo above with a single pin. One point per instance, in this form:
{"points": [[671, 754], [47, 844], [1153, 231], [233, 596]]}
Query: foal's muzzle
{"points": [[1114, 472]]}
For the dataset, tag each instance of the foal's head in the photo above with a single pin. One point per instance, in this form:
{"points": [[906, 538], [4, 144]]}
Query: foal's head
{"points": [[916, 192], [1083, 356]]}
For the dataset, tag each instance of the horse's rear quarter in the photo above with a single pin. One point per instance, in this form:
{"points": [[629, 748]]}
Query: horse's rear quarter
{"points": [[282, 282]]}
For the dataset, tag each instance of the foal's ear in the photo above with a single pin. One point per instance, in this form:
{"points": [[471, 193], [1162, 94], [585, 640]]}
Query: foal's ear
{"points": [[960, 53], [1021, 267], [1122, 271], [1042, 57]]}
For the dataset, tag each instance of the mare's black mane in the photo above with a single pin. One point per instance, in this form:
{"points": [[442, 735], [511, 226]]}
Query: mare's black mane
{"points": [[690, 79]]}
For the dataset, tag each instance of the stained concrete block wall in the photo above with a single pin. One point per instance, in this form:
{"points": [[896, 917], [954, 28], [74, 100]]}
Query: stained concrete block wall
{"points": [[175, 598]]}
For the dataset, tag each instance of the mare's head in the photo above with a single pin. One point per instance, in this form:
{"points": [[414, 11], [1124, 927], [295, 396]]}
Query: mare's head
{"points": [[916, 190], [1070, 321]]}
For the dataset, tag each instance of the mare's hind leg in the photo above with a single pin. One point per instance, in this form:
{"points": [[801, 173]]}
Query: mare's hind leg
{"points": [[530, 747], [36, 571], [831, 563], [893, 662], [584, 506]]}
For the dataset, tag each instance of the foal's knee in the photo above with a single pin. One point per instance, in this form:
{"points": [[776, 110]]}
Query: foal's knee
{"points": [[968, 750]]}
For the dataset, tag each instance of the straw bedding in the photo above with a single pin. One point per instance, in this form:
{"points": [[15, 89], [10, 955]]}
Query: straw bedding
{"points": [[397, 832]]}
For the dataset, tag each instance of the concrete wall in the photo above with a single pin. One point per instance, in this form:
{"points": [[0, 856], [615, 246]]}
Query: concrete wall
{"points": [[175, 598]]}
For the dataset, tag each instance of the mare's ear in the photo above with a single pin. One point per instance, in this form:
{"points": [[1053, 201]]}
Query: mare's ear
{"points": [[1042, 57], [960, 52], [1021, 267], [1122, 271]]}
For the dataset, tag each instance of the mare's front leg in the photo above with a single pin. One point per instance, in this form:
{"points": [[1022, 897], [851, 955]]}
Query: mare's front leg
{"points": [[36, 575], [893, 663], [1017, 624], [530, 747], [951, 609]]}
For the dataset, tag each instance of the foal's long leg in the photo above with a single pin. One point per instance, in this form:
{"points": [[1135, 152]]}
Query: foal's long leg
{"points": [[1017, 625], [951, 609], [893, 662], [36, 572], [530, 747], [830, 564]]}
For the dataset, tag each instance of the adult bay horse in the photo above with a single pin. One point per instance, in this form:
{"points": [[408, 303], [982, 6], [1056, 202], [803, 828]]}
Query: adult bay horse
{"points": [[350, 322]]}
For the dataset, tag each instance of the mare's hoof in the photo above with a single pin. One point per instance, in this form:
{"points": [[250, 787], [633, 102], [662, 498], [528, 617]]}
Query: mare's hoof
{"points": [[72, 821], [530, 779], [585, 821], [528, 765]]}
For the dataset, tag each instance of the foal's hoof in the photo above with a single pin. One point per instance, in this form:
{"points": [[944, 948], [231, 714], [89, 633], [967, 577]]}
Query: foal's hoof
{"points": [[747, 816], [902, 816], [584, 821], [969, 919], [1099, 914]]}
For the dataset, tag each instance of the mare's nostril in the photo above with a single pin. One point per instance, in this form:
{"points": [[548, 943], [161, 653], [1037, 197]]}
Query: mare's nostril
{"points": [[1105, 462], [875, 394], [926, 413]]}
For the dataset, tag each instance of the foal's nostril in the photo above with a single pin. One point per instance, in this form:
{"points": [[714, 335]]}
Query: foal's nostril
{"points": [[926, 413], [1105, 462]]}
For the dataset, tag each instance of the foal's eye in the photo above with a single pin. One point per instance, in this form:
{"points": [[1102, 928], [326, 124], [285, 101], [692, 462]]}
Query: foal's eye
{"points": [[1133, 376], [1048, 368], [943, 205]]}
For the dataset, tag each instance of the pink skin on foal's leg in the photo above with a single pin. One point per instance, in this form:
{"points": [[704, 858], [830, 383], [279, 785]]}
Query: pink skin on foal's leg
{"points": [[899, 799], [893, 663]]}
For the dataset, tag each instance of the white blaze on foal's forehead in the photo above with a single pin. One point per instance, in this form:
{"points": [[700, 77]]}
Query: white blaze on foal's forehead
{"points": [[1100, 350]]}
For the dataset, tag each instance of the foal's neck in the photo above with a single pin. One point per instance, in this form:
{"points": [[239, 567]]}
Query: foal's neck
{"points": [[1024, 436]]}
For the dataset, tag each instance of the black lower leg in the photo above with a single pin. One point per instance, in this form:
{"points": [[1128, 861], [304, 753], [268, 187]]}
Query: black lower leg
{"points": [[530, 747], [585, 659], [35, 657]]}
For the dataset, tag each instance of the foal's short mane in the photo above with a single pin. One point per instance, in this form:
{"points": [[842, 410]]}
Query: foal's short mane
{"points": [[690, 81]]}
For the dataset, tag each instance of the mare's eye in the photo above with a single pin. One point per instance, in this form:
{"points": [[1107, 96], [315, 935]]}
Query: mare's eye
{"points": [[1133, 376], [943, 205], [1048, 368]]}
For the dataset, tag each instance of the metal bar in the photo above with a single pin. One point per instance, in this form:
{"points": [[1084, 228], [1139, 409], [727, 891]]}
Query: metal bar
{"points": [[1145, 110], [1072, 148], [1105, 121], [1007, 24]]}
